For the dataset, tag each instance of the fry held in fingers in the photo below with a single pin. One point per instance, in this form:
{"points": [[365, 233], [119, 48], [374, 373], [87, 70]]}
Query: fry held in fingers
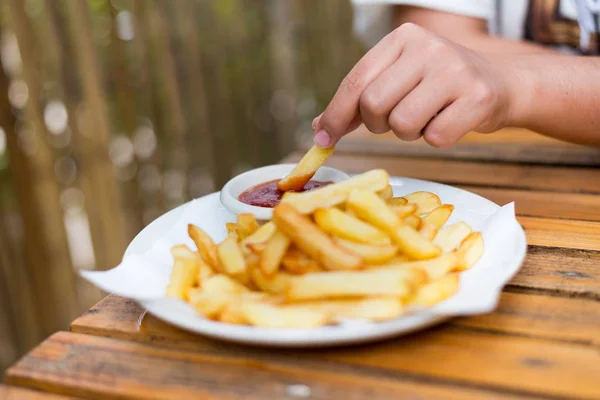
{"points": [[346, 251], [305, 169]]}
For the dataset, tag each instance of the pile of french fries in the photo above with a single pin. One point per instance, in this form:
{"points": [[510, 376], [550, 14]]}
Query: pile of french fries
{"points": [[347, 251]]}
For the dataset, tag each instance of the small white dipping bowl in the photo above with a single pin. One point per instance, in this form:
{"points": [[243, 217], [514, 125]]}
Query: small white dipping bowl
{"points": [[232, 189]]}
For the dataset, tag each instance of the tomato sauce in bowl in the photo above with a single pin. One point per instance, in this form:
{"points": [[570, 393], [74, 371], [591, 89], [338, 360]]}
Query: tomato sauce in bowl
{"points": [[267, 195]]}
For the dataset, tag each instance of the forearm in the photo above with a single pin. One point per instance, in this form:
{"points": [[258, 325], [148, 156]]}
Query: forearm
{"points": [[556, 95], [492, 44]]}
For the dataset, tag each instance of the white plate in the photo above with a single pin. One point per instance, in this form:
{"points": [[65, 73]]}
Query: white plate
{"points": [[479, 287]]}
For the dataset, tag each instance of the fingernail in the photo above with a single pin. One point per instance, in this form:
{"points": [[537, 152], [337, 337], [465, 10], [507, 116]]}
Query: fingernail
{"points": [[322, 139]]}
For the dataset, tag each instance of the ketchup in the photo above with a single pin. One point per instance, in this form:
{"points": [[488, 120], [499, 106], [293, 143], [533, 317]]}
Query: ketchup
{"points": [[267, 195]]}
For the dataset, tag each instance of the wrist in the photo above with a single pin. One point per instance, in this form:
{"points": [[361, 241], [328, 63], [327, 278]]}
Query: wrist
{"points": [[520, 80]]}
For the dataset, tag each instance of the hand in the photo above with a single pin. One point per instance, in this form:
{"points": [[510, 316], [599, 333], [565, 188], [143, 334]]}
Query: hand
{"points": [[418, 84]]}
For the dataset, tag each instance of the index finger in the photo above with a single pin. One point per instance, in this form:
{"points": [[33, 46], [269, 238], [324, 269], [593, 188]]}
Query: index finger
{"points": [[344, 106]]}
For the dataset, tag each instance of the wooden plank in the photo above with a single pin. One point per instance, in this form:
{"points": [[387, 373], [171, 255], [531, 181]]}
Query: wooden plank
{"points": [[555, 179], [507, 145], [94, 367], [566, 272], [16, 393], [538, 317], [543, 203], [583, 235]]}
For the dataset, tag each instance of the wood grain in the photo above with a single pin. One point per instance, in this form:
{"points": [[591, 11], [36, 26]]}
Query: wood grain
{"points": [[532, 315], [16, 393], [507, 145], [583, 235], [566, 272], [517, 176], [511, 339], [104, 368]]}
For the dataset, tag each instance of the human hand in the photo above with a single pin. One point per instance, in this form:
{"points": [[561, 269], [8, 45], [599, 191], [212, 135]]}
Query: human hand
{"points": [[416, 83]]}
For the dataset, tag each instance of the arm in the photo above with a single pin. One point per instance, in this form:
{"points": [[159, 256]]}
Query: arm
{"points": [[467, 31], [416, 83]]}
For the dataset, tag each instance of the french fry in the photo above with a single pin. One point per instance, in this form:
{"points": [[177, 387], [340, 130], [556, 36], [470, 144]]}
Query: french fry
{"points": [[210, 305], [222, 284], [403, 211], [413, 221], [427, 231], [305, 169], [231, 227], [310, 239], [371, 254], [336, 193], [449, 237], [184, 274], [425, 201], [371, 308], [204, 271], [340, 224], [436, 291], [414, 245], [246, 225], [270, 258], [260, 236], [232, 312], [297, 263], [470, 250], [434, 267], [277, 284], [288, 316], [397, 201], [439, 216], [387, 193], [322, 285], [231, 257], [371, 208], [206, 246]]}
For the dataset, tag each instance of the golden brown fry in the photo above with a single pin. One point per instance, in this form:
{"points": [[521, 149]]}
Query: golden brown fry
{"points": [[397, 201], [206, 246], [246, 225], [413, 221], [297, 263], [204, 271], [231, 227], [425, 201], [340, 224], [184, 274], [231, 257], [311, 240], [434, 267], [427, 231], [403, 211], [323, 285], [449, 237], [371, 254], [439, 216], [436, 291], [414, 245], [387, 193], [371, 208], [259, 237], [210, 305], [232, 312], [277, 284], [371, 308], [305, 169], [288, 316], [270, 258], [470, 250], [334, 194]]}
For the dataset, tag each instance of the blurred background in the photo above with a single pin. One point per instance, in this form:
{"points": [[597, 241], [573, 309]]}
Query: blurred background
{"points": [[115, 111]]}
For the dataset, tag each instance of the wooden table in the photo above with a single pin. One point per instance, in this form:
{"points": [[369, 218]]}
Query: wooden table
{"points": [[542, 341]]}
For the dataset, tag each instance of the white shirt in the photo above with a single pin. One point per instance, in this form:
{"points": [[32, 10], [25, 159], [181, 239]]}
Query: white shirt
{"points": [[560, 23]]}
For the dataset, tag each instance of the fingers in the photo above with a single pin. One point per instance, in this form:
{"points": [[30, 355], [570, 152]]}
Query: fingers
{"points": [[344, 106], [451, 125], [418, 107], [384, 93]]}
